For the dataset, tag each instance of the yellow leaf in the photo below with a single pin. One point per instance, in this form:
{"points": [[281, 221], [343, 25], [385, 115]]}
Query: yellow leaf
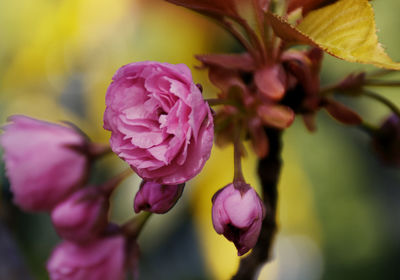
{"points": [[345, 29]]}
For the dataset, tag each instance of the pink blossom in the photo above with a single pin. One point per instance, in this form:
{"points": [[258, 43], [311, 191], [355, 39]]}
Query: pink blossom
{"points": [[157, 198], [238, 215], [42, 163], [159, 122], [102, 259], [82, 216]]}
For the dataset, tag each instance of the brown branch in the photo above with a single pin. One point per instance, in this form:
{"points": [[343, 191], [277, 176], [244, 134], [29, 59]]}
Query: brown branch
{"points": [[269, 169]]}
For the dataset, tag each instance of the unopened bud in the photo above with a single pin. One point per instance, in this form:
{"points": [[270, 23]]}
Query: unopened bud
{"points": [[238, 215], [386, 140], [82, 216], [157, 198]]}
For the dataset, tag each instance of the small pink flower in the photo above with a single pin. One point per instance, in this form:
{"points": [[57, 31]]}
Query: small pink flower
{"points": [[386, 140], [103, 259], [42, 162], [82, 216], [157, 198], [159, 122], [238, 215]]}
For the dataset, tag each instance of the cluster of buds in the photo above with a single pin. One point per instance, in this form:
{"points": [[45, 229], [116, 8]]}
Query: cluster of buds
{"points": [[262, 89], [48, 167]]}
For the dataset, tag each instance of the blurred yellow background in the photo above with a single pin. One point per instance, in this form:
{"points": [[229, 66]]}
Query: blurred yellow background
{"points": [[339, 216]]}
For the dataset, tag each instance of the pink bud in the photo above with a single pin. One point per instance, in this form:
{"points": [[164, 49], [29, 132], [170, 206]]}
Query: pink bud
{"points": [[44, 162], [386, 141], [82, 216], [271, 81], [157, 198], [238, 215], [102, 259]]}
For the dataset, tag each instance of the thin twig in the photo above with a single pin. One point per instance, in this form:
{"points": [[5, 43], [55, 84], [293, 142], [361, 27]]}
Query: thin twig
{"points": [[237, 155], [218, 101], [380, 73], [383, 100], [242, 40], [382, 83], [253, 38]]}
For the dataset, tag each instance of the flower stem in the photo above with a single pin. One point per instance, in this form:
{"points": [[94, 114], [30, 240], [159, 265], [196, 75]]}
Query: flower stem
{"points": [[113, 183], [269, 169], [368, 128], [134, 226], [97, 150], [242, 40], [253, 38], [327, 89], [380, 73], [218, 101], [383, 100], [237, 156], [380, 83]]}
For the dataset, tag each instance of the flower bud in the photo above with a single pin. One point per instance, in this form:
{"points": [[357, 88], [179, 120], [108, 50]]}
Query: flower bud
{"points": [[157, 198], [102, 259], [44, 162], [386, 141], [82, 216], [271, 82], [237, 213]]}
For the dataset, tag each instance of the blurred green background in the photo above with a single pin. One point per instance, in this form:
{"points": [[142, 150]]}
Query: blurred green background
{"points": [[339, 210]]}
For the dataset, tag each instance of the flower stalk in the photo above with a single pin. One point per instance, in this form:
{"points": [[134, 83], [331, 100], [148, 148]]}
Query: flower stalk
{"points": [[269, 169], [114, 182], [237, 157], [134, 226], [383, 100]]}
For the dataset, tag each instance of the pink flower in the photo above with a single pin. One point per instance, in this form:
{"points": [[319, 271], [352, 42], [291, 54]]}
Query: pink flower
{"points": [[103, 259], [159, 121], [238, 215], [82, 216], [42, 162], [157, 198]]}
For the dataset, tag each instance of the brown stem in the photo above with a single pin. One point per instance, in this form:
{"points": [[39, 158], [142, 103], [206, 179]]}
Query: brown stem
{"points": [[269, 169], [383, 100], [368, 128], [382, 83], [380, 73], [134, 226], [253, 38], [237, 156], [97, 150], [109, 186], [242, 40], [219, 101]]}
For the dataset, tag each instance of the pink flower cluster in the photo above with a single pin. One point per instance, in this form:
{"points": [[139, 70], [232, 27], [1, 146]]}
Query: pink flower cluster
{"points": [[47, 165], [162, 127]]}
